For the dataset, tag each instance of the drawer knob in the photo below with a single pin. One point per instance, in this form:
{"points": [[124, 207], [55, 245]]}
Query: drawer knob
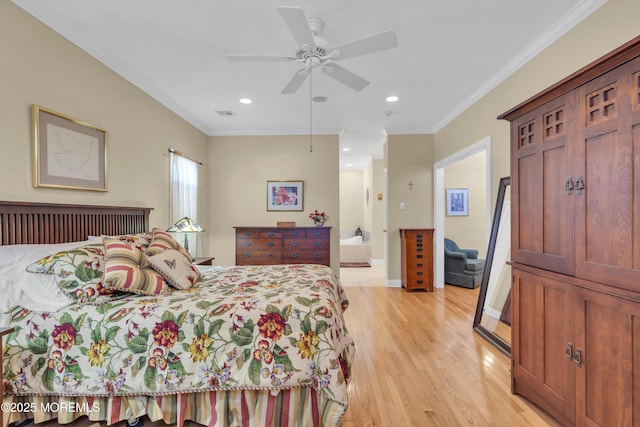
{"points": [[270, 255], [247, 255], [271, 244], [247, 243], [294, 233], [317, 255], [294, 244], [270, 233], [294, 255], [316, 244]]}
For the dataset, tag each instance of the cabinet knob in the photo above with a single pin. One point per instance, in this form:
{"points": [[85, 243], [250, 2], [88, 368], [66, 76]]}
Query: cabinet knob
{"points": [[294, 244]]}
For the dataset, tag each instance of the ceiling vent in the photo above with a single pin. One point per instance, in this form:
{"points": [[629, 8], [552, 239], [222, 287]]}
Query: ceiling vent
{"points": [[225, 113]]}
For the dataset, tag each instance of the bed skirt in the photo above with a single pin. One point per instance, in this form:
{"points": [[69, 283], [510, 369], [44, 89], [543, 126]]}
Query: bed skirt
{"points": [[297, 406]]}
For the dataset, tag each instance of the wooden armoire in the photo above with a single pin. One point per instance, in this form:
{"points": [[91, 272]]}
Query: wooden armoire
{"points": [[575, 174]]}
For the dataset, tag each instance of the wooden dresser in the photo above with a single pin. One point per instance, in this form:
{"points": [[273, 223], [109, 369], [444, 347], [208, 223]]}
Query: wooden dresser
{"points": [[575, 206], [283, 245], [417, 258]]}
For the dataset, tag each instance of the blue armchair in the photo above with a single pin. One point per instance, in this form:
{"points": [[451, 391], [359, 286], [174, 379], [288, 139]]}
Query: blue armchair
{"points": [[462, 266]]}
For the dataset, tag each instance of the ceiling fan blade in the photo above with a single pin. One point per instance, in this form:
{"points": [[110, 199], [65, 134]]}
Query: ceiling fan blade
{"points": [[369, 44], [345, 76], [260, 58], [296, 81], [296, 20]]}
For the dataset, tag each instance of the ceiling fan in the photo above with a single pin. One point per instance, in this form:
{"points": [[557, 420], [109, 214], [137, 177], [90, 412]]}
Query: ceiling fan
{"points": [[314, 51]]}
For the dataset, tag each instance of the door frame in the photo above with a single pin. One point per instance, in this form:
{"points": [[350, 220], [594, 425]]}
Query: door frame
{"points": [[439, 207]]}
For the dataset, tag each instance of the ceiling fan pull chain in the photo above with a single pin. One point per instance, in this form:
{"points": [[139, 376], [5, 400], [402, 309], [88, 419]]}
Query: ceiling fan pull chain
{"points": [[310, 111]]}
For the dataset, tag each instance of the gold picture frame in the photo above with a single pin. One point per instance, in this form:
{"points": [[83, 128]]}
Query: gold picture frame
{"points": [[68, 153]]}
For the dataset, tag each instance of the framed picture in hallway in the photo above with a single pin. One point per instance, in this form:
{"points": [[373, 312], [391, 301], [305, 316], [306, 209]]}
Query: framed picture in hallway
{"points": [[457, 202]]}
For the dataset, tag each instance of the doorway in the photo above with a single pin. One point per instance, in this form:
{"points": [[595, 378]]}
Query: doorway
{"points": [[439, 202]]}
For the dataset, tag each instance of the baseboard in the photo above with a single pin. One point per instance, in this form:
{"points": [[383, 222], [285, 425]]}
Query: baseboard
{"points": [[377, 261], [394, 283]]}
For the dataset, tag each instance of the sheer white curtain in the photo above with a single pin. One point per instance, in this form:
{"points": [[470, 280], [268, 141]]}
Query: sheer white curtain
{"points": [[183, 194]]}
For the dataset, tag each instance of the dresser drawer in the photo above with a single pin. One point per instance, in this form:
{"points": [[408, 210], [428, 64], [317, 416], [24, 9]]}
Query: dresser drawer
{"points": [[303, 256], [258, 244], [257, 257], [250, 234], [305, 244]]}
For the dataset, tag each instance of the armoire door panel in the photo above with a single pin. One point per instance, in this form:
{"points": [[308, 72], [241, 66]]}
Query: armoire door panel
{"points": [[530, 228], [606, 212], [542, 334], [543, 211], [606, 328]]}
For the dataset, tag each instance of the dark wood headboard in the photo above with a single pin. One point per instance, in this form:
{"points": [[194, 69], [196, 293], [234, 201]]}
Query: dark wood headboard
{"points": [[28, 223]]}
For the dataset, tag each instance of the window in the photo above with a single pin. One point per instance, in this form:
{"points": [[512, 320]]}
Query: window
{"points": [[183, 194]]}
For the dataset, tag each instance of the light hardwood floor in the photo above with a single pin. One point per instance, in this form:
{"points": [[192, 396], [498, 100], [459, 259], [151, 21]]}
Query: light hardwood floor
{"points": [[419, 363]]}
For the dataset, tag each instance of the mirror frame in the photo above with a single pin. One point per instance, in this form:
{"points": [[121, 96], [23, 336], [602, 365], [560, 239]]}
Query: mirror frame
{"points": [[500, 343]]}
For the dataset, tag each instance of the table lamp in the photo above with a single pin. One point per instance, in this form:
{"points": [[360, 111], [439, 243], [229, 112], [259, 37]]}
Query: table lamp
{"points": [[185, 225]]}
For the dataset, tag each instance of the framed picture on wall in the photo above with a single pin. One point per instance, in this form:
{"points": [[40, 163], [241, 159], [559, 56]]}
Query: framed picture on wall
{"points": [[457, 202], [68, 153], [284, 195]]}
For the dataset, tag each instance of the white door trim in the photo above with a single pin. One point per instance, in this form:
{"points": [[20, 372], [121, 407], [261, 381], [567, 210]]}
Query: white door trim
{"points": [[439, 203]]}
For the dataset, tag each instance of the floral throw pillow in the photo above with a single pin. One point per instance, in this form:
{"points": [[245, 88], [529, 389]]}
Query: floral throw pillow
{"points": [[161, 241], [79, 273], [46, 264], [177, 270], [127, 269]]}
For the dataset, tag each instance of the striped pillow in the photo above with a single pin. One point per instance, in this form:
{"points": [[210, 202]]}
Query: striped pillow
{"points": [[127, 269], [161, 241]]}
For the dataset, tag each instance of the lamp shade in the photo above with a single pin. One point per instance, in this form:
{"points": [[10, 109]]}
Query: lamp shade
{"points": [[185, 225]]}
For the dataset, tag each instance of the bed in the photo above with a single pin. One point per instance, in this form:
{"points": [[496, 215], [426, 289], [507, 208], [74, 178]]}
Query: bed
{"points": [[250, 345], [355, 251]]}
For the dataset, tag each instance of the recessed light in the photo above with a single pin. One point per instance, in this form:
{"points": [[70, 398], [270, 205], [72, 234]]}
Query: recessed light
{"points": [[346, 149], [392, 98], [348, 165], [245, 101]]}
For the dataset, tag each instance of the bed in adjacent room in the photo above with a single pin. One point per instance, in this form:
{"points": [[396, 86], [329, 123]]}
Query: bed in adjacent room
{"points": [[98, 332]]}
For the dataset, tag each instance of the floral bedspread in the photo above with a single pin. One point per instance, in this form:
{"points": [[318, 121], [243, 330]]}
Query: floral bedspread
{"points": [[252, 327]]}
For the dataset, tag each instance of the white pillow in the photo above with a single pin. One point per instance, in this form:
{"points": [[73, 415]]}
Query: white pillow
{"points": [[33, 291]]}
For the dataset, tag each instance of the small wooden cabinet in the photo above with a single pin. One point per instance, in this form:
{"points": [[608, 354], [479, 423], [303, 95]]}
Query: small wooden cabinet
{"points": [[283, 245], [417, 258]]}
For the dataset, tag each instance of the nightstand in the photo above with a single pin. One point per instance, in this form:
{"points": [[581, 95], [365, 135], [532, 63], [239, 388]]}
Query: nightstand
{"points": [[3, 332], [204, 261]]}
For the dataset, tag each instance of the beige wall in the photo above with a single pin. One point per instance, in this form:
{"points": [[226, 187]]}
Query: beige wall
{"points": [[612, 25], [409, 158], [469, 232], [352, 201], [41, 67], [240, 167], [376, 207]]}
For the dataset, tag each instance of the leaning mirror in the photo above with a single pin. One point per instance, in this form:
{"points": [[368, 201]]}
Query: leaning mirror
{"points": [[493, 313]]}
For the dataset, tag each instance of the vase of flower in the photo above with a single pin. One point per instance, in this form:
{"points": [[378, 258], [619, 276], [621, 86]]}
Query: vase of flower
{"points": [[318, 218]]}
